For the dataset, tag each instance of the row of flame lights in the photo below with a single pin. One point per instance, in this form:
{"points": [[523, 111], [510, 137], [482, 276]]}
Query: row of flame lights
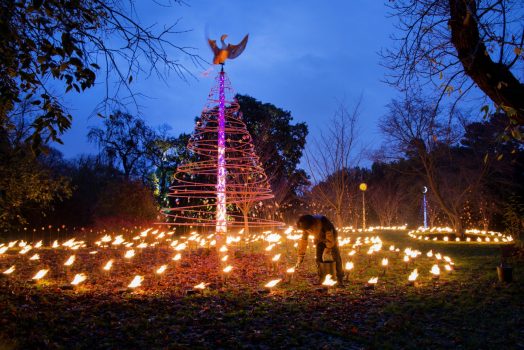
{"points": [[482, 236], [271, 238]]}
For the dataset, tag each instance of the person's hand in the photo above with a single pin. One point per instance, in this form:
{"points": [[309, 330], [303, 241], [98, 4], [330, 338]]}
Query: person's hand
{"points": [[300, 260], [327, 256]]}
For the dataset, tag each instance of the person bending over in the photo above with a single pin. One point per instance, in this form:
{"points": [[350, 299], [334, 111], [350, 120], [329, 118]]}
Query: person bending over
{"points": [[325, 240]]}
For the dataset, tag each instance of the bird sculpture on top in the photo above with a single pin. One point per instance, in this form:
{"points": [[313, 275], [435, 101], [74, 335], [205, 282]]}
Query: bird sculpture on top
{"points": [[226, 51]]}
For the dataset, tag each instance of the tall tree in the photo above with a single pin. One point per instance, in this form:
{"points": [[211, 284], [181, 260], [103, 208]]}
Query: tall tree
{"points": [[28, 186], [330, 159], [279, 143], [455, 46], [414, 128], [124, 140], [55, 43]]}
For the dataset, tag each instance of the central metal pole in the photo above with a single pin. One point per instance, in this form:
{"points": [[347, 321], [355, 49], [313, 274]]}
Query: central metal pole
{"points": [[425, 212], [221, 222], [363, 211]]}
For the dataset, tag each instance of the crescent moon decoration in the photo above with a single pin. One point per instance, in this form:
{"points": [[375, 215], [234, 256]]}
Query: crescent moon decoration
{"points": [[227, 51], [424, 189]]}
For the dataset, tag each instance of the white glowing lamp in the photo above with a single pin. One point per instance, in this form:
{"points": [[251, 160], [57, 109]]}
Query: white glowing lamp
{"points": [[448, 267], [224, 258], [70, 261], [129, 254], [177, 257], [435, 270], [136, 282], [79, 278], [351, 253], [228, 269], [40, 274], [385, 262], [223, 249], [429, 254], [349, 266], [291, 270], [276, 257], [35, 257]]}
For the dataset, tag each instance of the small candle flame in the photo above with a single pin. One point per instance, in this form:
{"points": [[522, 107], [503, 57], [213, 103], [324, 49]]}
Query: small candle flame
{"points": [[79, 278], [272, 283], [9, 270], [201, 286], [40, 274], [108, 265], [435, 270], [328, 281], [136, 282], [413, 275], [70, 261]]}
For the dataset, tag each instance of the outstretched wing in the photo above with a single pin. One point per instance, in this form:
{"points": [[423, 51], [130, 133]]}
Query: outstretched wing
{"points": [[213, 45], [235, 50]]}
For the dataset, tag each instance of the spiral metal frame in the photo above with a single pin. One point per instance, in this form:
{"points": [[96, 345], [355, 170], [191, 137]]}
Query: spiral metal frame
{"points": [[227, 173]]}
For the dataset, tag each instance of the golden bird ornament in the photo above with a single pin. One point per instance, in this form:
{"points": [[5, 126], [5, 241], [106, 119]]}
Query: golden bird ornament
{"points": [[226, 51]]}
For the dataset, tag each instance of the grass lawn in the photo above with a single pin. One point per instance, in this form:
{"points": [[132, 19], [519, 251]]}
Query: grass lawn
{"points": [[465, 309]]}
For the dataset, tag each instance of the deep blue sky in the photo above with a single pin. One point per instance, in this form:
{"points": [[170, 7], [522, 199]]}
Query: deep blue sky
{"points": [[302, 56]]}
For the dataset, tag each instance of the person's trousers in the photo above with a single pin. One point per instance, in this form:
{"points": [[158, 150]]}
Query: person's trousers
{"points": [[335, 252]]}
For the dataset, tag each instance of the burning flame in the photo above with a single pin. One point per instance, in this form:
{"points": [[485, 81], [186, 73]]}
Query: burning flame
{"points": [[40, 274], [9, 270], [413, 275], [373, 280], [108, 265], [328, 281], [136, 282], [70, 261], [272, 283], [201, 286], [79, 278], [435, 270]]}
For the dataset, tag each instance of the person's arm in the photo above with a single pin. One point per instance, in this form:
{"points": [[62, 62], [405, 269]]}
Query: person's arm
{"points": [[302, 247]]}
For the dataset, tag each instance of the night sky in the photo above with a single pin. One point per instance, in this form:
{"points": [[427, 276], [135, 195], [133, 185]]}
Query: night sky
{"points": [[302, 56]]}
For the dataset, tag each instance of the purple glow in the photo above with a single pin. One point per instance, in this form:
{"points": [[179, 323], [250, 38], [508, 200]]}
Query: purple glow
{"points": [[221, 226]]}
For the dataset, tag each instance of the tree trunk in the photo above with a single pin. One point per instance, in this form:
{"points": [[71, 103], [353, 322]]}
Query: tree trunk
{"points": [[494, 79], [245, 213]]}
